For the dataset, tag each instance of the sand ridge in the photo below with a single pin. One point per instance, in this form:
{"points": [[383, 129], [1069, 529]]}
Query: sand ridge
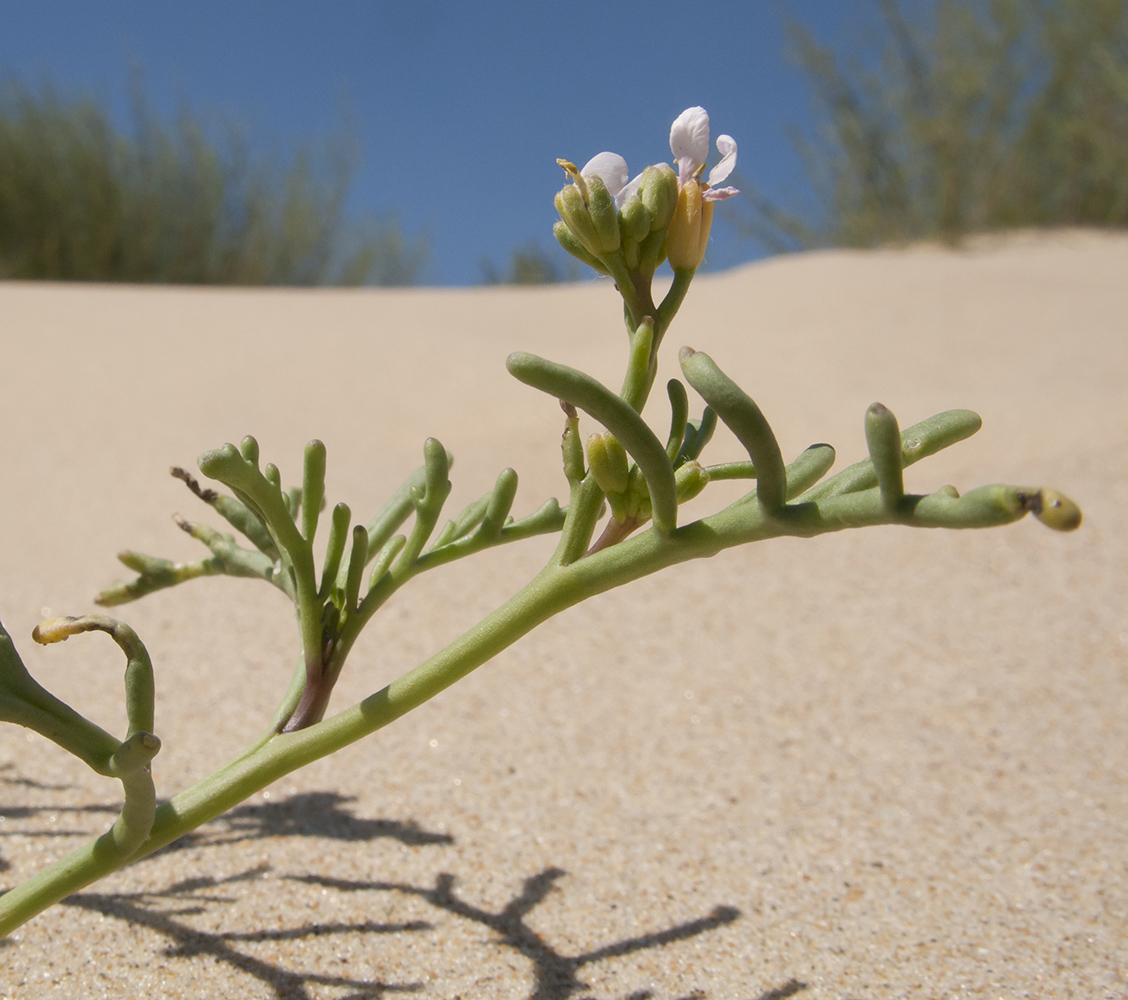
{"points": [[876, 764]]}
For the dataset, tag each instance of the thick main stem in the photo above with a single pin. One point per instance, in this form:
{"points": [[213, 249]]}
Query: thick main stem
{"points": [[89, 863]]}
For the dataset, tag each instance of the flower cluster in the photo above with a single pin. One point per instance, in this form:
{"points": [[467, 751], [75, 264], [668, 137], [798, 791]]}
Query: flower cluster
{"points": [[610, 221]]}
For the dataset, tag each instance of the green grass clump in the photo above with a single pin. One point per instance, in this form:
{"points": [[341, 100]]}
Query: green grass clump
{"points": [[81, 200], [959, 117]]}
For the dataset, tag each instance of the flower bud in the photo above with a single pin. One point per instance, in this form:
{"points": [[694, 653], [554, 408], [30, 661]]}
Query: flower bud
{"points": [[690, 479], [604, 215], [589, 211], [608, 461], [567, 239], [634, 226], [689, 229], [634, 221], [658, 190], [570, 204], [571, 448], [638, 496]]}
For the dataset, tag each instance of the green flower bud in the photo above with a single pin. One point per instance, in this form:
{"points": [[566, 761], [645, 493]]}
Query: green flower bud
{"points": [[572, 449], [634, 226], [690, 480], [638, 496], [658, 190], [608, 460], [573, 210], [634, 221], [589, 210], [604, 215], [567, 239]]}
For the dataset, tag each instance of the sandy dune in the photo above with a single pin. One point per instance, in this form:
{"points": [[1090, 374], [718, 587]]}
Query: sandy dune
{"points": [[878, 764]]}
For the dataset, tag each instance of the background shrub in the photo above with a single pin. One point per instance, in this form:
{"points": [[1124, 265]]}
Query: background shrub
{"points": [[961, 116], [82, 201], [531, 264]]}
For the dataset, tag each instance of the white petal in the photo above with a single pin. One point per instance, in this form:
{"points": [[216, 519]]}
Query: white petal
{"points": [[726, 146], [689, 141], [719, 194], [629, 191], [610, 168]]}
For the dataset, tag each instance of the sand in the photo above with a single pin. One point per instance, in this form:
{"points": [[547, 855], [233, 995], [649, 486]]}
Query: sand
{"points": [[884, 763]]}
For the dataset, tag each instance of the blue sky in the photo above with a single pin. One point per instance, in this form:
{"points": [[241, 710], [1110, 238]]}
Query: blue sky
{"points": [[460, 109]]}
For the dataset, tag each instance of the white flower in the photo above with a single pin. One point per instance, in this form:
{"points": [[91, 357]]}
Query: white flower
{"points": [[681, 204], [688, 234], [611, 168], [689, 142]]}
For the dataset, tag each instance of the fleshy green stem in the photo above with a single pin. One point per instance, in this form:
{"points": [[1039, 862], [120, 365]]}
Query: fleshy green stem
{"points": [[89, 863], [557, 587]]}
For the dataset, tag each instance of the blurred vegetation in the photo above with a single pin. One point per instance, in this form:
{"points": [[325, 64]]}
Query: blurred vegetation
{"points": [[83, 201], [530, 265], [958, 117]]}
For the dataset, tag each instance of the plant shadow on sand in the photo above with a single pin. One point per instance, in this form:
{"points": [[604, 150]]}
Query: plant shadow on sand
{"points": [[308, 814], [17, 813], [555, 976]]}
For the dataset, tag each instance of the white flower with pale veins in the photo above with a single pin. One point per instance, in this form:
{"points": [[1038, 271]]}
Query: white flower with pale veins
{"points": [[693, 217], [689, 142]]}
